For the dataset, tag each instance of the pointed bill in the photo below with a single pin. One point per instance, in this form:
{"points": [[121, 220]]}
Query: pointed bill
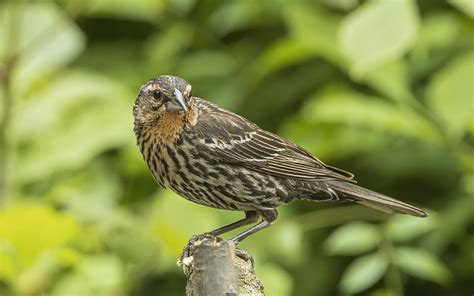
{"points": [[180, 99]]}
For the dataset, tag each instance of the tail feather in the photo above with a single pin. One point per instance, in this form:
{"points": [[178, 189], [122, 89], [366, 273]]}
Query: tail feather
{"points": [[374, 200]]}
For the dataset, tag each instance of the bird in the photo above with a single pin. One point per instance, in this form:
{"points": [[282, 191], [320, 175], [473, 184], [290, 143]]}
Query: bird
{"points": [[219, 159]]}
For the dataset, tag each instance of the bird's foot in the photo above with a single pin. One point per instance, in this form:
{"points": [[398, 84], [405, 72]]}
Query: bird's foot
{"points": [[195, 239], [244, 255], [186, 254]]}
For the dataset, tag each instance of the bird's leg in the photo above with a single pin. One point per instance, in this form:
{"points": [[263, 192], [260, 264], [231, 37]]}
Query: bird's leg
{"points": [[250, 217], [268, 218]]}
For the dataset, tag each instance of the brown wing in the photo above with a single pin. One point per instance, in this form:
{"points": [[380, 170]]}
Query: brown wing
{"points": [[234, 139]]}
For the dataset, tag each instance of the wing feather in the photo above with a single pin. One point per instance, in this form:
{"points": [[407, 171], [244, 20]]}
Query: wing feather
{"points": [[234, 139]]}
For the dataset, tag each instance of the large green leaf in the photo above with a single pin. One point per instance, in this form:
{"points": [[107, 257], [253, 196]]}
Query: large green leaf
{"points": [[314, 27], [378, 32], [95, 275], [439, 35], [391, 79], [148, 10], [438, 30], [405, 228], [282, 53], [422, 264], [164, 49], [23, 242], [235, 15], [353, 239], [72, 120], [50, 106], [353, 109], [332, 140], [345, 5], [41, 35], [363, 273], [451, 94], [465, 6], [207, 63]]}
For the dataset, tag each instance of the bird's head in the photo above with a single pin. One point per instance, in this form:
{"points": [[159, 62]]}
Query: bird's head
{"points": [[161, 95]]}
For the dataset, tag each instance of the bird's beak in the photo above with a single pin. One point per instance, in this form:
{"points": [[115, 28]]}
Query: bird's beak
{"points": [[177, 103]]}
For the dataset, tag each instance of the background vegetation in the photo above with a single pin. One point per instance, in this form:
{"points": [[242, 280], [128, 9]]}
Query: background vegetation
{"points": [[384, 89]]}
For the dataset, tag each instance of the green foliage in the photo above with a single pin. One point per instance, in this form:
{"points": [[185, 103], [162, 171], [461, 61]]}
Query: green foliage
{"points": [[353, 239], [451, 93], [357, 238], [463, 5], [277, 280], [104, 275], [24, 246], [363, 273], [378, 32], [422, 264], [380, 88]]}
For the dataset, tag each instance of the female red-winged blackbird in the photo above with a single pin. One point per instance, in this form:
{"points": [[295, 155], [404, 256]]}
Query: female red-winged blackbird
{"points": [[219, 159]]}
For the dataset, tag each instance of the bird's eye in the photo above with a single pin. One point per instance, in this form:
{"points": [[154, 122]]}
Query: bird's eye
{"points": [[156, 94]]}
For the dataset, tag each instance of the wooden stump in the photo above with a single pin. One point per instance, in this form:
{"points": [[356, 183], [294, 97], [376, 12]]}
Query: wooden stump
{"points": [[213, 268]]}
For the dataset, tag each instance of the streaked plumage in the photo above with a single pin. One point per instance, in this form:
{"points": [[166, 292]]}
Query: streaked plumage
{"points": [[219, 159]]}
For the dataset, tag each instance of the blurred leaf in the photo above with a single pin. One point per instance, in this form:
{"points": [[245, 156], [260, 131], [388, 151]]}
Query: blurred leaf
{"points": [[451, 94], [93, 187], [50, 105], [131, 160], [438, 30], [21, 233], [352, 109], [363, 273], [95, 275], [331, 140], [92, 197], [391, 80], [8, 270], [313, 27], [10, 16], [403, 228], [422, 264], [288, 237], [342, 4], [281, 54], [456, 218], [353, 239], [68, 256], [277, 280], [148, 10], [468, 183], [207, 63], [182, 6], [465, 6], [37, 278], [383, 292], [439, 35], [378, 32], [46, 39], [164, 49], [75, 123], [226, 94], [234, 15]]}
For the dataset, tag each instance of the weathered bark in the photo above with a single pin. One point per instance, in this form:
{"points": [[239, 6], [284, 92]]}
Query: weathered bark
{"points": [[212, 268]]}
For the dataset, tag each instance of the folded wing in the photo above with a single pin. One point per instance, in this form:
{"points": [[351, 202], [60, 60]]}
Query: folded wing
{"points": [[233, 139]]}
